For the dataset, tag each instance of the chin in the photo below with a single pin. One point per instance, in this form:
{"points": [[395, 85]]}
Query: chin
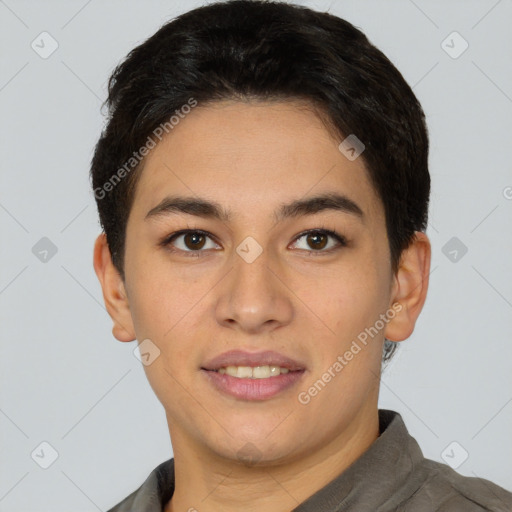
{"points": [[256, 452]]}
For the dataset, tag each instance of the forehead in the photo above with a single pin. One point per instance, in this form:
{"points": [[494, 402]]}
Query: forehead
{"points": [[252, 157]]}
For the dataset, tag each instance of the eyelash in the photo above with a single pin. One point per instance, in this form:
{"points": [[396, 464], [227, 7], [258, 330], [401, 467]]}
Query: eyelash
{"points": [[166, 242]]}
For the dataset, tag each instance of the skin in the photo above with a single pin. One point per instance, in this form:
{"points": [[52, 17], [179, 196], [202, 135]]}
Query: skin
{"points": [[250, 157]]}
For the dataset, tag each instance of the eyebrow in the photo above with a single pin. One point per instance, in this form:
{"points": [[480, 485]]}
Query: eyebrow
{"points": [[300, 207]]}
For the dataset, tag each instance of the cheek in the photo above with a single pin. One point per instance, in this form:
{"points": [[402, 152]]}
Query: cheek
{"points": [[158, 296], [164, 307], [149, 309], [357, 297], [159, 314]]}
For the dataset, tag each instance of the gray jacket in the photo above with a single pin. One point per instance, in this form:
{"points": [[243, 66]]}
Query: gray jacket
{"points": [[391, 476]]}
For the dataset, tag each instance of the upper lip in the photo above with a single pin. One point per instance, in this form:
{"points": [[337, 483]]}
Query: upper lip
{"points": [[243, 358]]}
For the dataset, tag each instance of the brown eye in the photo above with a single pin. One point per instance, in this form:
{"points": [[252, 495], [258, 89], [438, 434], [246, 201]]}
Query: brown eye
{"points": [[194, 240], [317, 240], [189, 242]]}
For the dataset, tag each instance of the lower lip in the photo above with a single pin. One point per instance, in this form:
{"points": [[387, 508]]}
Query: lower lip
{"points": [[252, 389]]}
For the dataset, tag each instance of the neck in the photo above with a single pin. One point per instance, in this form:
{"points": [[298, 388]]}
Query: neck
{"points": [[208, 483]]}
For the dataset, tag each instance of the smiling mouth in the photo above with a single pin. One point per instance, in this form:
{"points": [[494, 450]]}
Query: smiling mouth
{"points": [[253, 382], [247, 375], [254, 372]]}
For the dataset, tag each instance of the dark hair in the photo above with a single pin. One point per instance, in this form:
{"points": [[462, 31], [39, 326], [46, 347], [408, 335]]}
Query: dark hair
{"points": [[244, 49]]}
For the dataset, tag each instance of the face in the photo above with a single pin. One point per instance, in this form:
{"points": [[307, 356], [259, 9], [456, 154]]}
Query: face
{"points": [[262, 277]]}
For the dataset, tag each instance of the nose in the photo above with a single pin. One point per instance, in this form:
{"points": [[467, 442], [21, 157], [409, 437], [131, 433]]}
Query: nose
{"points": [[253, 297]]}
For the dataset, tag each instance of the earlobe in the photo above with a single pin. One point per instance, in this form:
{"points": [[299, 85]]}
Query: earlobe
{"points": [[410, 287], [114, 293]]}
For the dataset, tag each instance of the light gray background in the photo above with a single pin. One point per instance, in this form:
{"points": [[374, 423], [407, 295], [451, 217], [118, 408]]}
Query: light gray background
{"points": [[66, 380]]}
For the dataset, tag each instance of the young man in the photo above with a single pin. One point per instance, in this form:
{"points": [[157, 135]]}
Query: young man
{"points": [[263, 187]]}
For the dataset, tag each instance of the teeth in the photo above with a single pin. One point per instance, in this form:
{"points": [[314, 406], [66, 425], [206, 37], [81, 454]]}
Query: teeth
{"points": [[275, 370], [257, 372], [243, 372]]}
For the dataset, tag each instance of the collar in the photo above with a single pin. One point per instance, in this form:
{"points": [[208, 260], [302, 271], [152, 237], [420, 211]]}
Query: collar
{"points": [[365, 485], [377, 474]]}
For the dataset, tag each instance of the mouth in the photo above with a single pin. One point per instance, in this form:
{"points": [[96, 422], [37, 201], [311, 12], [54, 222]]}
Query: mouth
{"points": [[242, 360], [253, 372], [252, 376]]}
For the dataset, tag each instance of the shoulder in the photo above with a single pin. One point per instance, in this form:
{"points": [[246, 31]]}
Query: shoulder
{"points": [[442, 489], [145, 498], [126, 504], [153, 493]]}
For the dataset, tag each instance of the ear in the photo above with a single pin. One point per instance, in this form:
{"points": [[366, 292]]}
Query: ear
{"points": [[114, 293], [410, 288]]}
